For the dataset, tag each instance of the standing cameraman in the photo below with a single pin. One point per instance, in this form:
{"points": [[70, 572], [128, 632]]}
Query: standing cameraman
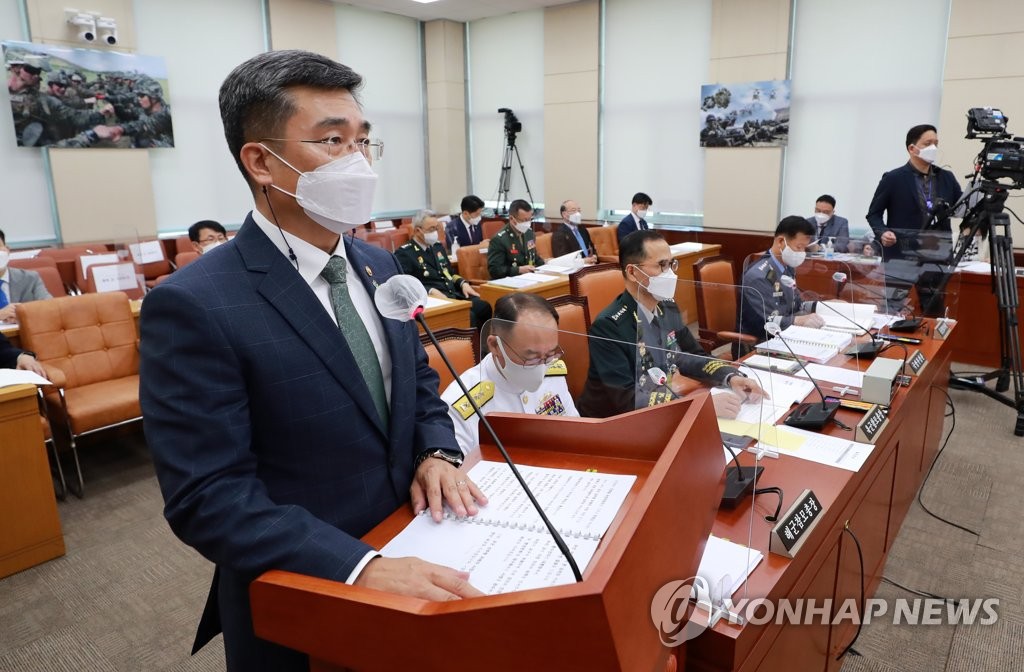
{"points": [[912, 195]]}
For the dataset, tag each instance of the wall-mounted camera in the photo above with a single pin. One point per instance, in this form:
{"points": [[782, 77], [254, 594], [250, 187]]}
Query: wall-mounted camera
{"points": [[107, 29], [83, 23]]}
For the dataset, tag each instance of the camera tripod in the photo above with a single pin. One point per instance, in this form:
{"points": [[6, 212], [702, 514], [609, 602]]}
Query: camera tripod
{"points": [[505, 177], [988, 215]]}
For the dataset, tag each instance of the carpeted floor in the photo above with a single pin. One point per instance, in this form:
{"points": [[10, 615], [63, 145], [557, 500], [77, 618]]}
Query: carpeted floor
{"points": [[127, 595]]}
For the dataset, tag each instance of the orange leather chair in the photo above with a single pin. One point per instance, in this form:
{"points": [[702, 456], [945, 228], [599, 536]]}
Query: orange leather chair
{"points": [[89, 347], [381, 239], [600, 283], [66, 257], [544, 250], [462, 346], [491, 227], [573, 327], [606, 242], [473, 264], [717, 305], [46, 267]]}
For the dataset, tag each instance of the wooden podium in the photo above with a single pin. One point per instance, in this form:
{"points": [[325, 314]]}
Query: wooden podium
{"points": [[603, 623]]}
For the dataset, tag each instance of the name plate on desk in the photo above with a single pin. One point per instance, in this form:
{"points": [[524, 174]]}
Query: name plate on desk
{"points": [[916, 363], [942, 328], [874, 421], [795, 526]]}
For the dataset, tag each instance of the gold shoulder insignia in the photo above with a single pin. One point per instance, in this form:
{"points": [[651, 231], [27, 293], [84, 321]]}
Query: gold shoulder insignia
{"points": [[557, 368], [482, 393]]}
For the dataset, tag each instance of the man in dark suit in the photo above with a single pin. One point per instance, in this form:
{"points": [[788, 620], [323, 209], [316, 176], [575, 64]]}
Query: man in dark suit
{"points": [[571, 236], [914, 198], [827, 224], [17, 285], [285, 416], [466, 229], [425, 258], [643, 331], [635, 221]]}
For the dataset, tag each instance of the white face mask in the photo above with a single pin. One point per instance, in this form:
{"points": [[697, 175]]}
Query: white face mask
{"points": [[791, 257], [522, 227], [641, 213], [575, 218], [209, 246], [474, 221], [520, 377], [821, 218], [338, 195], [430, 238], [5, 258], [661, 287], [928, 154]]}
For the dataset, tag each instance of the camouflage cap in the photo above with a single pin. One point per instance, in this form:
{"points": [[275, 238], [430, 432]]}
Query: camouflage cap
{"points": [[151, 88], [37, 62]]}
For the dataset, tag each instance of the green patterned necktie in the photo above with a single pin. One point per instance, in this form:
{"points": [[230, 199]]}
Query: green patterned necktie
{"points": [[354, 331]]}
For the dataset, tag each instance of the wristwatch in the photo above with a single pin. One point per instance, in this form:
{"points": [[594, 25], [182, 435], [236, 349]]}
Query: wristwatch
{"points": [[452, 457], [728, 379]]}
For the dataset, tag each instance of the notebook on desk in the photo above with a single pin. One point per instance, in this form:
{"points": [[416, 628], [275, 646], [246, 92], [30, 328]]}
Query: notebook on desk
{"points": [[812, 345]]}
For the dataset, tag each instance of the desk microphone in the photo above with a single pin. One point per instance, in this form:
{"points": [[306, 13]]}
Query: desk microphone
{"points": [[402, 298], [738, 480], [865, 350], [806, 415]]}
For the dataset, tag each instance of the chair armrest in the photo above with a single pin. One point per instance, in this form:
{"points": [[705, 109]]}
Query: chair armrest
{"points": [[477, 283], [55, 376], [736, 336], [607, 259]]}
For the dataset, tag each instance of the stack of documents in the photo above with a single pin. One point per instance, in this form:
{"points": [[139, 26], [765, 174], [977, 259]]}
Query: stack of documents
{"points": [[847, 317], [813, 345]]}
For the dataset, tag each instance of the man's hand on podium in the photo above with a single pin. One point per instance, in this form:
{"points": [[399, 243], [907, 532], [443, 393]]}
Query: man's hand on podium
{"points": [[416, 578], [437, 482]]}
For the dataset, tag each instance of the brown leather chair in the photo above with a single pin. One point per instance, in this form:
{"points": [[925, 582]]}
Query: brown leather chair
{"points": [[89, 347], [185, 258], [155, 270], [573, 327], [472, 263], [182, 244], [66, 257], [490, 227], [462, 346], [717, 305], [381, 239], [544, 250], [46, 267], [606, 242], [600, 283], [90, 282]]}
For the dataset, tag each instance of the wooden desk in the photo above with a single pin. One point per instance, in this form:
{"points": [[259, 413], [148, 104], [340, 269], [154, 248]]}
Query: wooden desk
{"points": [[686, 295], [976, 339], [453, 314], [30, 530], [556, 286], [13, 333], [873, 501]]}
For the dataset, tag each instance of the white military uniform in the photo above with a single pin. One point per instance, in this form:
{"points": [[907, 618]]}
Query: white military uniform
{"points": [[493, 394]]}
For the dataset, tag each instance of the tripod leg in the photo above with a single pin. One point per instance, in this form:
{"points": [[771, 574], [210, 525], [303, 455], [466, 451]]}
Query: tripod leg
{"points": [[523, 172]]}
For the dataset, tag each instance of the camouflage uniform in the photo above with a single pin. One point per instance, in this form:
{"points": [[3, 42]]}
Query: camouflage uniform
{"points": [[151, 129]]}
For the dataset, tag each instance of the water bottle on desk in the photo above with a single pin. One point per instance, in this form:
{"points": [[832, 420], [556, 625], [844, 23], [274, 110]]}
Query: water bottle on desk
{"points": [[830, 248]]}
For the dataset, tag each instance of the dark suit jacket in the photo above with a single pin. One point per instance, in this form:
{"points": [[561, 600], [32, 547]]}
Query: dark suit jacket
{"points": [[563, 242], [628, 226], [267, 445], [615, 384], [837, 227], [8, 354], [897, 196], [458, 231]]}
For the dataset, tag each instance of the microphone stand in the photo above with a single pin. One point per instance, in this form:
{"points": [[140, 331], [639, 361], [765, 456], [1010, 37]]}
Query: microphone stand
{"points": [[807, 415], [559, 542], [739, 480]]}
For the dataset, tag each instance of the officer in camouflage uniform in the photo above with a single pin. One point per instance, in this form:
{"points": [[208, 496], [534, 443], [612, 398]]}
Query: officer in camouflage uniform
{"points": [[41, 118], [769, 285], [153, 126], [513, 250], [425, 258], [640, 347]]}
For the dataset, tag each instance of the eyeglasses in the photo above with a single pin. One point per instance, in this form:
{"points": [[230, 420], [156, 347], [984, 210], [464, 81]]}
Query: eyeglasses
{"points": [[670, 264], [213, 239], [549, 358], [335, 145]]}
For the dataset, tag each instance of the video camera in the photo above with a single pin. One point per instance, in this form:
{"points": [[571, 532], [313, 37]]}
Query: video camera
{"points": [[512, 123], [1003, 154]]}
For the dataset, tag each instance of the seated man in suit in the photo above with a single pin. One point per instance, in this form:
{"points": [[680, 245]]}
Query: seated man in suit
{"points": [[16, 358], [466, 229], [570, 236], [523, 371], [513, 250], [830, 225], [642, 329], [206, 235], [17, 285], [425, 258], [635, 221], [769, 284], [319, 417]]}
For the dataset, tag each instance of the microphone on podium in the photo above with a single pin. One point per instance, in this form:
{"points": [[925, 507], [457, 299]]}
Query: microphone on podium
{"points": [[806, 415], [403, 298]]}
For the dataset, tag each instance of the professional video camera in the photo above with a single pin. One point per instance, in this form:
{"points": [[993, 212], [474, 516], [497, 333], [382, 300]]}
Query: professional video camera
{"points": [[1002, 155], [512, 124]]}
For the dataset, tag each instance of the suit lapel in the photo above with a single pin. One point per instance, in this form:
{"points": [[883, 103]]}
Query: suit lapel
{"points": [[288, 293]]}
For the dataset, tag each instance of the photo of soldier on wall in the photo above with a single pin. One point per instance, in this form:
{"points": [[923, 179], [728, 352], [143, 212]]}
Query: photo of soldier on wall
{"points": [[64, 97]]}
